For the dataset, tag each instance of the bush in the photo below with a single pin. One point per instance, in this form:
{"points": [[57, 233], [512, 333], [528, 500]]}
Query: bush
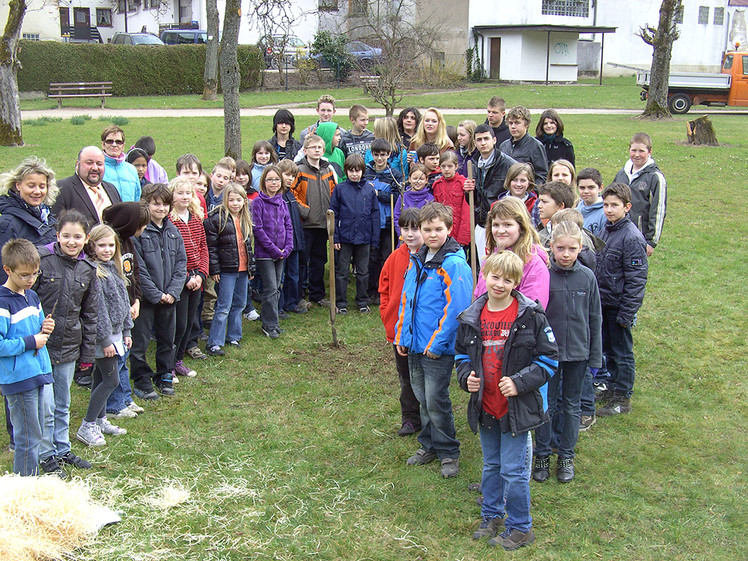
{"points": [[152, 70], [79, 119], [332, 47]]}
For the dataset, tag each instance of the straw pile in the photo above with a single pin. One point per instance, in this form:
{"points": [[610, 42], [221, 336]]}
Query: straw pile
{"points": [[43, 518]]}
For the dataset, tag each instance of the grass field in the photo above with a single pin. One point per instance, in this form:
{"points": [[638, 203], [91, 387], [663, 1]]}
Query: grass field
{"points": [[287, 449]]}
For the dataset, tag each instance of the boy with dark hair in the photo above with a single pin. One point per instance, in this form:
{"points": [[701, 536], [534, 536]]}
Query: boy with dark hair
{"points": [[388, 185], [507, 353], [523, 147], [163, 273], [438, 286], [552, 197], [428, 155], [495, 119], [622, 276], [154, 173], [358, 139], [648, 190], [25, 368], [590, 184], [285, 145], [354, 202]]}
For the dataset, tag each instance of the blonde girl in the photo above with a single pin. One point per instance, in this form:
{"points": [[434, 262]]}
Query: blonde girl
{"points": [[228, 231], [433, 128], [187, 215], [520, 183], [112, 333], [510, 228], [386, 127]]}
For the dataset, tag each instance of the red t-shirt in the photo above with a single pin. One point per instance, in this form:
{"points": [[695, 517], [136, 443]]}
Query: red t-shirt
{"points": [[494, 331]]}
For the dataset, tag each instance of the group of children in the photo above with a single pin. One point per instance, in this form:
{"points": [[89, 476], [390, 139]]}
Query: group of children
{"points": [[558, 289]]}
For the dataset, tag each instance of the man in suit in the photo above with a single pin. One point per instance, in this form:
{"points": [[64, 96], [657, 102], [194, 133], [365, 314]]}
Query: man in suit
{"points": [[85, 191]]}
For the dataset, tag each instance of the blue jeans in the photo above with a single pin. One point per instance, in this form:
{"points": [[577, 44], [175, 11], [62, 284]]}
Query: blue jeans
{"points": [[270, 271], [506, 480], [121, 396], [569, 381], [587, 400], [227, 318], [291, 292], [56, 429], [618, 347], [429, 378], [28, 411]]}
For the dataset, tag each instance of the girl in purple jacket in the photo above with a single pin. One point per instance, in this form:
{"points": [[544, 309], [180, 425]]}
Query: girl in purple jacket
{"points": [[273, 243]]}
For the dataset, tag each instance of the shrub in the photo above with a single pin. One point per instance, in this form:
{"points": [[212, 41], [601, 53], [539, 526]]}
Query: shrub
{"points": [[152, 70], [79, 119], [120, 121], [332, 47]]}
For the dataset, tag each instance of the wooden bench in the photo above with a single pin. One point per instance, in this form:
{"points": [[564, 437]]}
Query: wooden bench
{"points": [[369, 81], [66, 90]]}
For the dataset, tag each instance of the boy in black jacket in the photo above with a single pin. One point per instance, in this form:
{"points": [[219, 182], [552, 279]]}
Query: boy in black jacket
{"points": [[506, 353]]}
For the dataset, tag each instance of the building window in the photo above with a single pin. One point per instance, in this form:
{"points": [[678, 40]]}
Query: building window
{"points": [[31, 36], [358, 8], [103, 17], [328, 5], [574, 8], [704, 14], [719, 16], [130, 5]]}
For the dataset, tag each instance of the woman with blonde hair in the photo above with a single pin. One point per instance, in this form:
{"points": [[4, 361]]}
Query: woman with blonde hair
{"points": [[433, 128]]}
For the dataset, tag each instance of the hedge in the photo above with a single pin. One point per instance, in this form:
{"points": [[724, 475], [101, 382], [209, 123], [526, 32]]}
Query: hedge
{"points": [[141, 70]]}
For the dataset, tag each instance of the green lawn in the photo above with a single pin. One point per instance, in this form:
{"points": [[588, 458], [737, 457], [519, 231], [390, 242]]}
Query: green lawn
{"points": [[288, 448]]}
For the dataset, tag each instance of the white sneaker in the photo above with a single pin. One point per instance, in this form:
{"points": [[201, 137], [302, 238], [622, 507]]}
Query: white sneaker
{"points": [[135, 407], [124, 413], [108, 428], [90, 434], [252, 316]]}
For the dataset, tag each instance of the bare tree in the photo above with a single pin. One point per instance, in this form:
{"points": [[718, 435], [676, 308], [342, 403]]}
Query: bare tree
{"points": [[230, 79], [210, 74], [274, 20], [10, 109], [661, 39]]}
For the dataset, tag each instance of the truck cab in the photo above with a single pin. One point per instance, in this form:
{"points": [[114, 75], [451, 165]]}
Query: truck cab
{"points": [[736, 64]]}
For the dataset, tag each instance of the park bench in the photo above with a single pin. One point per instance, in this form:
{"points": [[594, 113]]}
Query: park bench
{"points": [[67, 90], [369, 81]]}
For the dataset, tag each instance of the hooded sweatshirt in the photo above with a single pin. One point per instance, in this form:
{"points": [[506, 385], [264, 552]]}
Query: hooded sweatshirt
{"points": [[332, 154], [593, 215], [410, 199]]}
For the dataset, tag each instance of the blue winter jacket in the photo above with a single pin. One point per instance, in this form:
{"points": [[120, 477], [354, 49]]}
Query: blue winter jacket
{"points": [[124, 177], [386, 182], [434, 294], [356, 213]]}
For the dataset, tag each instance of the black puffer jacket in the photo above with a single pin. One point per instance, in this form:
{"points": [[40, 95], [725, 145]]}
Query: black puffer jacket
{"points": [[530, 360], [223, 252], [20, 220], [71, 283], [489, 183], [557, 147]]}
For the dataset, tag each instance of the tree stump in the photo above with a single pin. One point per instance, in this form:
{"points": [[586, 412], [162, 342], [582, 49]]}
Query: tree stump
{"points": [[700, 131]]}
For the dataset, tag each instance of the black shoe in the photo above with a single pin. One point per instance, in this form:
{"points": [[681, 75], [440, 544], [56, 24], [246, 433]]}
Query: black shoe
{"points": [[565, 470], [234, 344], [215, 350], [72, 460], [164, 385], [148, 394], [341, 310], [84, 380], [617, 405], [283, 314], [408, 428], [50, 465], [541, 469]]}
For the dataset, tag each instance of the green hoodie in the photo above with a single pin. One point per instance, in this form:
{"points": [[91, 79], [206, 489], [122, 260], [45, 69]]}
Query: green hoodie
{"points": [[332, 153]]}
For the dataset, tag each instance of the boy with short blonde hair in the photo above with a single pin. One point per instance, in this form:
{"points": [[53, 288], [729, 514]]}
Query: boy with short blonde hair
{"points": [[357, 140]]}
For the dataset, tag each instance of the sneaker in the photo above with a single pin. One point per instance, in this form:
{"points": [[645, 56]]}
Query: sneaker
{"points": [[196, 354], [603, 394], [450, 467], [421, 457], [325, 303], [364, 309], [234, 344], [84, 381], [541, 469], [124, 413], [283, 314], [298, 309], [513, 539], [586, 421], [90, 434], [408, 428], [617, 405], [270, 332], [565, 470], [72, 460], [51, 465], [251, 316], [181, 369], [489, 527], [305, 304], [341, 310], [174, 379], [215, 350], [108, 428], [132, 406], [149, 395], [165, 385]]}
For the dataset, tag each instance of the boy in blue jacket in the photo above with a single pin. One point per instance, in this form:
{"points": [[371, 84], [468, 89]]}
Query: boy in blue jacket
{"points": [[356, 232], [506, 353], [438, 286], [25, 368]]}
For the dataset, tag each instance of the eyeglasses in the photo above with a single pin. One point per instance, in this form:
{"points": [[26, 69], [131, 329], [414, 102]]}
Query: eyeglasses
{"points": [[26, 278], [272, 180], [109, 141]]}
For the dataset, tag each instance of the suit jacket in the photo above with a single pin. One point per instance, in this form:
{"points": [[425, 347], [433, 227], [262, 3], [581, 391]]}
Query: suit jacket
{"points": [[73, 194]]}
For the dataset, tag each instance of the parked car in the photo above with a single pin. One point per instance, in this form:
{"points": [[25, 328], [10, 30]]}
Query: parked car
{"points": [[284, 48], [364, 56], [135, 39], [184, 36]]}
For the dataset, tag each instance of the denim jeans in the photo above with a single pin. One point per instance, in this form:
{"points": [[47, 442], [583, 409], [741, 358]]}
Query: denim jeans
{"points": [[569, 377], [270, 271], [506, 480], [587, 400], [28, 411], [360, 254], [313, 262], [618, 347], [56, 429], [429, 378], [121, 396], [227, 318]]}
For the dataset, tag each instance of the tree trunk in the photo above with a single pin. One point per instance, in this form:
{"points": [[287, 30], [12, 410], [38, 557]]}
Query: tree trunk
{"points": [[230, 79], [210, 75], [662, 40], [10, 108], [700, 131]]}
